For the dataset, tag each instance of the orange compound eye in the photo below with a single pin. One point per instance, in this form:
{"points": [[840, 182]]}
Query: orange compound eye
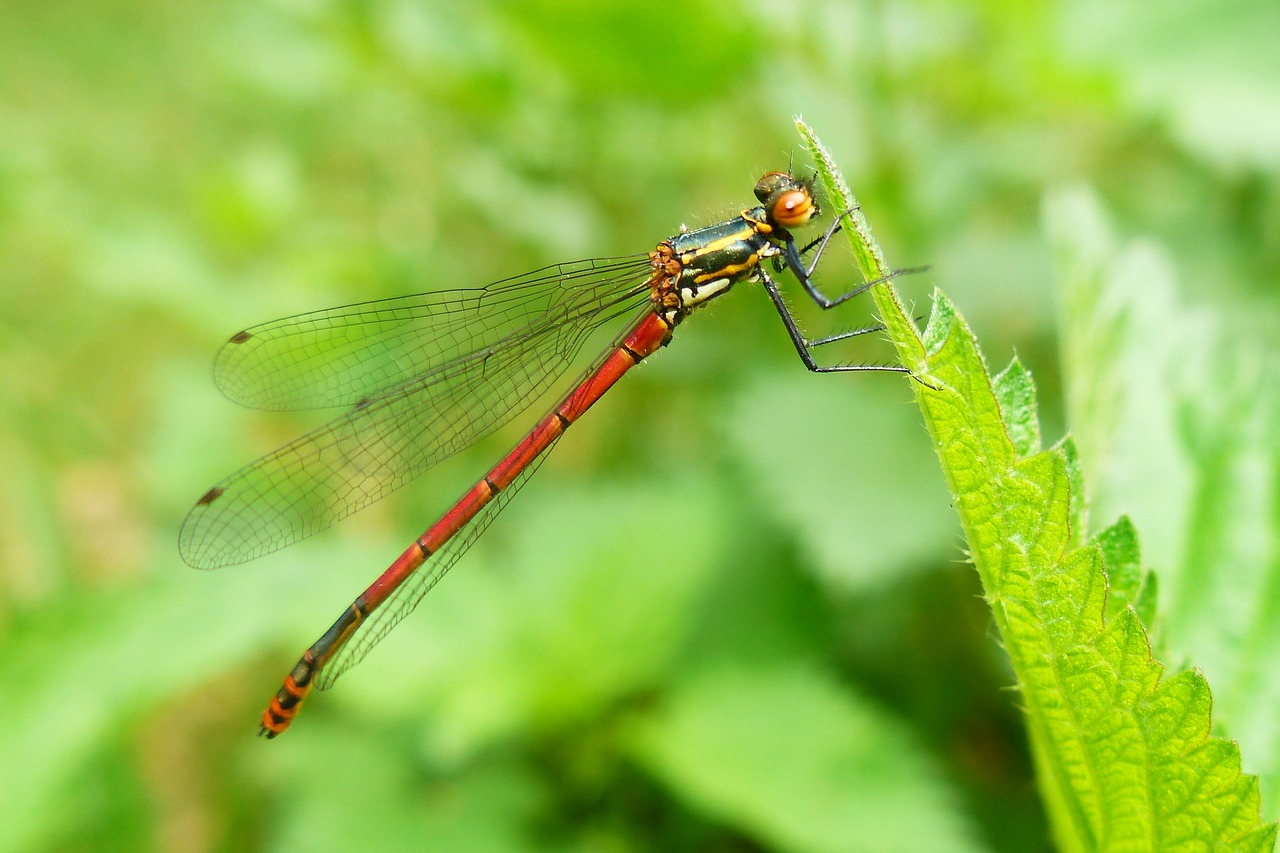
{"points": [[793, 209]]}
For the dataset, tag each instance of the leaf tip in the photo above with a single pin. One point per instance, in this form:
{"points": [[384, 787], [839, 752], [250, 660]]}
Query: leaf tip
{"points": [[1016, 393], [941, 319]]}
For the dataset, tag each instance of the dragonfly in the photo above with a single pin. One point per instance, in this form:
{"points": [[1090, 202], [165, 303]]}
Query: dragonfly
{"points": [[421, 378]]}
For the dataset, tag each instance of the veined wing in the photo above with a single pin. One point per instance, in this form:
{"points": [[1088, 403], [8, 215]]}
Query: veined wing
{"points": [[387, 440], [407, 595], [343, 356]]}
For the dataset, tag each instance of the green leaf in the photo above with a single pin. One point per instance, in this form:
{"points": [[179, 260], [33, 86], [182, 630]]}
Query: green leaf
{"points": [[1124, 760], [1186, 441], [815, 452], [1131, 585], [800, 762], [1016, 394], [1078, 517]]}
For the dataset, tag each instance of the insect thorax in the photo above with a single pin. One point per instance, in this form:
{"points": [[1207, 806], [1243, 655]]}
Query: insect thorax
{"points": [[696, 266]]}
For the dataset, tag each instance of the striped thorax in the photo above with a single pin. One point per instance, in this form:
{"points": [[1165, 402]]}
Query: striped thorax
{"points": [[696, 266]]}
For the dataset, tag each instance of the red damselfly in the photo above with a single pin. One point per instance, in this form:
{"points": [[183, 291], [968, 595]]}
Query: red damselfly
{"points": [[423, 377]]}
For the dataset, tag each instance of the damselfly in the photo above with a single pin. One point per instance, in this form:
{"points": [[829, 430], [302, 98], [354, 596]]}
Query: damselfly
{"points": [[424, 377]]}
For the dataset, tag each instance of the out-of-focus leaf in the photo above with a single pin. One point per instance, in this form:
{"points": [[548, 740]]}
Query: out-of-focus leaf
{"points": [[98, 661], [366, 773], [792, 434], [1211, 69], [1130, 350], [59, 708], [801, 763]]}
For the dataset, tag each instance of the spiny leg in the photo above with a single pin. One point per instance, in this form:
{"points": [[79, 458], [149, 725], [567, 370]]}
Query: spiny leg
{"points": [[794, 261], [804, 346]]}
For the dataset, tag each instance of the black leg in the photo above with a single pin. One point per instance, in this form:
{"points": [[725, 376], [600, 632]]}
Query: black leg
{"points": [[804, 346], [842, 336], [804, 275], [832, 229]]}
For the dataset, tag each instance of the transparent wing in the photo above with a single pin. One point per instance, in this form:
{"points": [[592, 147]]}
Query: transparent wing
{"points": [[341, 356], [408, 594], [386, 440], [406, 597]]}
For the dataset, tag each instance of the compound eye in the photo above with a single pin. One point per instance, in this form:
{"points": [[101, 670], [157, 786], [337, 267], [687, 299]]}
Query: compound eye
{"points": [[770, 183], [793, 209]]}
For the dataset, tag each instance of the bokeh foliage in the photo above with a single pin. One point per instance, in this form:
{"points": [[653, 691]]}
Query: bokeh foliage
{"points": [[732, 610]]}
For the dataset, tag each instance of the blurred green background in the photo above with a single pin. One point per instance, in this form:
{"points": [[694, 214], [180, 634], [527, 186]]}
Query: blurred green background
{"points": [[732, 612]]}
